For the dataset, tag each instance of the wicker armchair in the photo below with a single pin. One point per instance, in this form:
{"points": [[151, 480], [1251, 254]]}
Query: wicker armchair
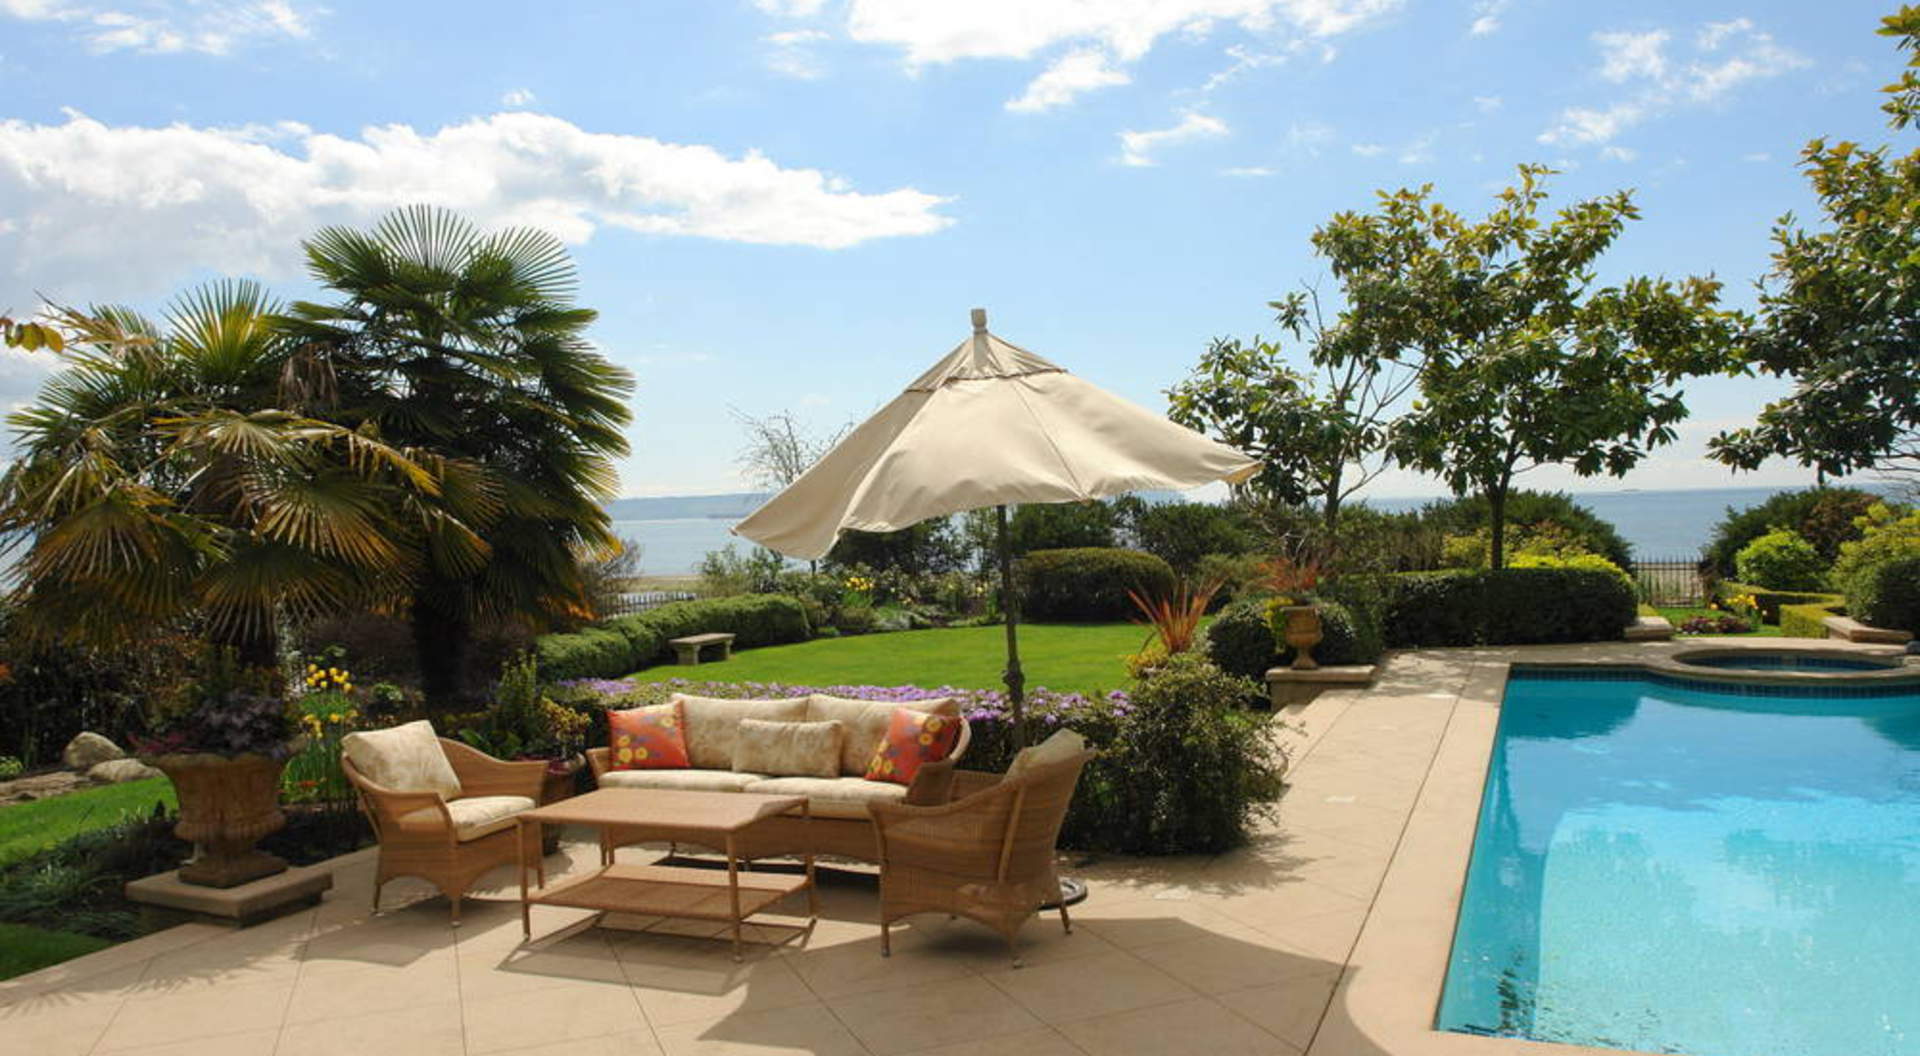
{"points": [[424, 834], [988, 857]]}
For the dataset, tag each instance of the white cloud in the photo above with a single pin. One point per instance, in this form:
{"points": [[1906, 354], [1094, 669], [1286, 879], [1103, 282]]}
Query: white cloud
{"points": [[1308, 138], [1250, 171], [120, 212], [1071, 75], [1137, 148], [213, 27], [790, 53], [791, 8], [1487, 104], [1369, 150], [1625, 56], [1758, 157], [1619, 153], [1418, 152], [1727, 55], [1486, 16], [517, 98]]}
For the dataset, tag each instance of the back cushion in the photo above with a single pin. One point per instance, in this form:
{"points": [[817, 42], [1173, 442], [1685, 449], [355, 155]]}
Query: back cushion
{"points": [[866, 722], [788, 749], [404, 758], [714, 724]]}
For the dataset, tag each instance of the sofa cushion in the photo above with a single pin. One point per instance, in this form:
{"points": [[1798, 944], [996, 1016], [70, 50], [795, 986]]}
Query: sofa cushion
{"points": [[478, 816], [866, 722], [650, 738], [712, 724], [913, 739], [1063, 745], [681, 780], [833, 797], [405, 758], [788, 749]]}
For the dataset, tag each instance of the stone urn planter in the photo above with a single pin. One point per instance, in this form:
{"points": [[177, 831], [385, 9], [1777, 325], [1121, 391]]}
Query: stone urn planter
{"points": [[227, 803], [1302, 631]]}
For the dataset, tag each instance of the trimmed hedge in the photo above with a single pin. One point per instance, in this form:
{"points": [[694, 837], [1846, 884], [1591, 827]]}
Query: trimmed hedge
{"points": [[1509, 606], [1088, 584], [626, 644], [1239, 642], [1887, 594], [1772, 602], [1806, 619]]}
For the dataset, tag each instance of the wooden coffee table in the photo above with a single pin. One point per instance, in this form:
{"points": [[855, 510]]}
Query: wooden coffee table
{"points": [[709, 819]]}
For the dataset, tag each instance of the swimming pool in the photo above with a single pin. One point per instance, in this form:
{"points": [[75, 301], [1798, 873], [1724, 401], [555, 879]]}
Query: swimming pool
{"points": [[1674, 866], [1763, 660]]}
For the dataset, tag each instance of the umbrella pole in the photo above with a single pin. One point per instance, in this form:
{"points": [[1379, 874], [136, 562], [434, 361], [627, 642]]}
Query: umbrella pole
{"points": [[1016, 681]]}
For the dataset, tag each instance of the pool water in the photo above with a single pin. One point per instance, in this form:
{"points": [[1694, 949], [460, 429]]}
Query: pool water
{"points": [[1784, 662], [1670, 867]]}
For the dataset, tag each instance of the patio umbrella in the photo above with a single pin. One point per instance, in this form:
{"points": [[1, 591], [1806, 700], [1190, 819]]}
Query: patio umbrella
{"points": [[991, 424]]}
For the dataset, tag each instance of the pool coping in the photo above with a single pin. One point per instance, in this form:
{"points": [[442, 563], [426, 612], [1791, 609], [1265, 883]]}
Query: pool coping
{"points": [[1389, 993]]}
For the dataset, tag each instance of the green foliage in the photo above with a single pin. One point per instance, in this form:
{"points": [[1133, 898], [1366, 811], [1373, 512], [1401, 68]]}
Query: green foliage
{"points": [[1510, 606], [1522, 360], [1347, 636], [26, 949], [1088, 584], [1769, 602], [726, 571], [29, 828], [1780, 560], [1541, 521], [1880, 572], [1181, 533], [1060, 526], [933, 545], [1189, 769], [1237, 574], [1825, 517], [1806, 619], [628, 643], [10, 767], [1590, 562], [1840, 309], [1239, 642]]}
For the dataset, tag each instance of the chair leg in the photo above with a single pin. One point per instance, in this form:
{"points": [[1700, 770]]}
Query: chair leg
{"points": [[886, 940], [1013, 950], [377, 885], [455, 898]]}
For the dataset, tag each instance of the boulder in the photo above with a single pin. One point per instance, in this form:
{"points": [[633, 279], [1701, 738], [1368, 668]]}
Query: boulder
{"points": [[88, 750], [115, 771], [40, 786]]}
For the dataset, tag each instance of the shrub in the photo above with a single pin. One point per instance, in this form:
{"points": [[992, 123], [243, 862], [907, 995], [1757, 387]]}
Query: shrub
{"points": [[1780, 560], [1344, 638], [1770, 602], [1060, 526], [592, 652], [1880, 573], [857, 619], [1721, 623], [1590, 562], [10, 767], [1240, 642], [1529, 513], [1181, 533], [1822, 516], [628, 643], [1807, 619], [1088, 584], [726, 571], [1509, 606], [1189, 768], [1237, 574]]}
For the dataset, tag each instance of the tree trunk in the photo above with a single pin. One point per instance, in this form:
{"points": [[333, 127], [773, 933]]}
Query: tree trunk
{"points": [[1497, 525], [1330, 546], [442, 645]]}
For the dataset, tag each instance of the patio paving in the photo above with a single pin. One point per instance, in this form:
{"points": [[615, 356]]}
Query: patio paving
{"points": [[1290, 945]]}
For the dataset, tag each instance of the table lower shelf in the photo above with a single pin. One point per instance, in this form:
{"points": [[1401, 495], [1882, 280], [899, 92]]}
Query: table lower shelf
{"points": [[669, 891]]}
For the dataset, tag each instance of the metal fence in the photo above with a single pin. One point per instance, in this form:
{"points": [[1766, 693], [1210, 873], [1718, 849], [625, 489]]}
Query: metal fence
{"points": [[1670, 581], [641, 601]]}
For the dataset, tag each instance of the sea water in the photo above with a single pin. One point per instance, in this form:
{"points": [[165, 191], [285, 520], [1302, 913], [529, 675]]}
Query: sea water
{"points": [[1675, 867]]}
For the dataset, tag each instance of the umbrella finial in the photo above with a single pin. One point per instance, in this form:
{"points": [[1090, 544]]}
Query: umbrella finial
{"points": [[979, 320]]}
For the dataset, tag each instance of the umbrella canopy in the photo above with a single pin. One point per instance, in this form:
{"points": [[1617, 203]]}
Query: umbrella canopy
{"points": [[990, 425]]}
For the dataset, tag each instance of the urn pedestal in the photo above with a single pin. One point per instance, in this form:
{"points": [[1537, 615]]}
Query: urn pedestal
{"points": [[226, 805]]}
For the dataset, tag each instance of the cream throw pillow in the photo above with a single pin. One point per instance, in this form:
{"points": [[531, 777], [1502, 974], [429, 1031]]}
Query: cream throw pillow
{"points": [[1063, 745], [788, 749], [713, 721], [404, 758]]}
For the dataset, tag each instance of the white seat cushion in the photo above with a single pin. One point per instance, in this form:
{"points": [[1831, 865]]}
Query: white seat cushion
{"points": [[866, 722], [833, 797], [1063, 745], [681, 780], [478, 816], [405, 758], [713, 724]]}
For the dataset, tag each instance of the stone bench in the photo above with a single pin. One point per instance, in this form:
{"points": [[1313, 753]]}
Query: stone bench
{"points": [[687, 649], [1853, 630]]}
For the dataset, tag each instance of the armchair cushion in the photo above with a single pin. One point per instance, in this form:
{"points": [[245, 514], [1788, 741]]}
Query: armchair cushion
{"points": [[478, 816], [795, 749], [1063, 745], [866, 722], [649, 738], [912, 739], [713, 724], [833, 797], [405, 758]]}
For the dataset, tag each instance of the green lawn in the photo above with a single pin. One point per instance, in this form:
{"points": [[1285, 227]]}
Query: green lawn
{"points": [[1678, 616], [1061, 656], [26, 828], [25, 949]]}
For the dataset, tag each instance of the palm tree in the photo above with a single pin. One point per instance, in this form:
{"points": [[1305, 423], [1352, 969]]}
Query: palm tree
{"points": [[470, 345], [169, 476]]}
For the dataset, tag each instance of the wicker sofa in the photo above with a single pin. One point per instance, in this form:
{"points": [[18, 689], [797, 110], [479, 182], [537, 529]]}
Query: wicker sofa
{"points": [[840, 825]]}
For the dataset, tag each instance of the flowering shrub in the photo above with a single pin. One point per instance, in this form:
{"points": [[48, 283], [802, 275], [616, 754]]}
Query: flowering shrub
{"points": [[1719, 624]]}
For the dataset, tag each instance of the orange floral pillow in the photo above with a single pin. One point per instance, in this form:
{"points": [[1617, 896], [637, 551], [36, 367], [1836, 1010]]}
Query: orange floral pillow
{"points": [[652, 738], [914, 739]]}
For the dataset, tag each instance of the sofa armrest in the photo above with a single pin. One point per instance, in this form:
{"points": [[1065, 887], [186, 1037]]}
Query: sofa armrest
{"points": [[482, 775], [598, 760]]}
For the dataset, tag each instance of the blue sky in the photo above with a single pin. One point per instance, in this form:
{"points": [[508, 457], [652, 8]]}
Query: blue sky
{"points": [[792, 204]]}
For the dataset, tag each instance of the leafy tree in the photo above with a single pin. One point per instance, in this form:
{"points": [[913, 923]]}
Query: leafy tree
{"points": [[1825, 517], [169, 478], [1181, 533], [779, 449], [1060, 526], [470, 345], [1320, 437], [929, 546], [1840, 310], [1524, 359]]}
